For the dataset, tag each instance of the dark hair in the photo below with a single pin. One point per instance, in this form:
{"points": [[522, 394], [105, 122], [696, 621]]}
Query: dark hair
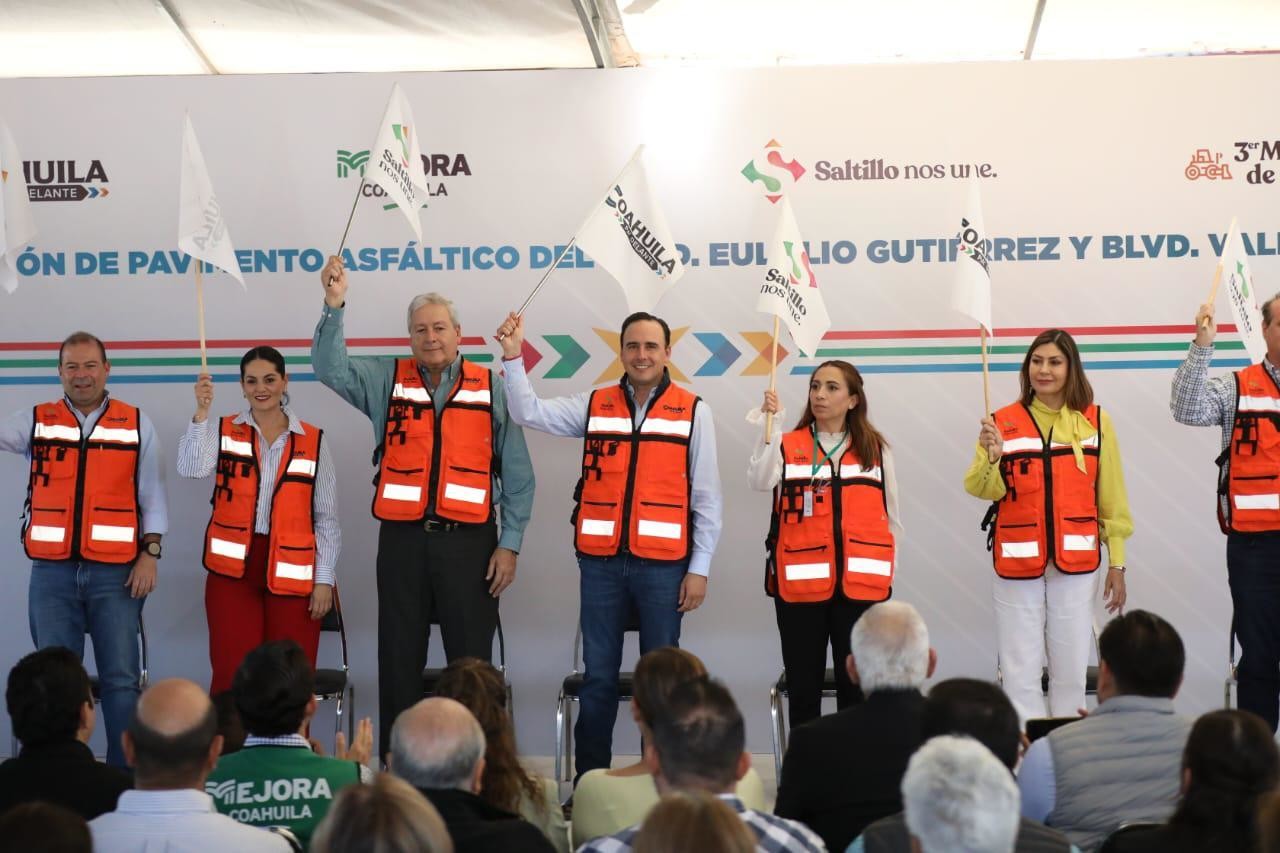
{"points": [[657, 674], [865, 439], [645, 315], [82, 338], [264, 353], [40, 827], [272, 687], [230, 725], [479, 686], [1144, 653], [47, 690], [1233, 761], [978, 709], [1077, 392], [171, 761], [699, 736], [1266, 310]]}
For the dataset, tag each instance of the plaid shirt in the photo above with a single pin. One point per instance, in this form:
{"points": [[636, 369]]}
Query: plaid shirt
{"points": [[773, 834]]}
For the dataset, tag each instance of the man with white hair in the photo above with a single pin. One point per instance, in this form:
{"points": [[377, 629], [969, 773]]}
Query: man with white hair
{"points": [[843, 771], [448, 458], [438, 747], [959, 798]]}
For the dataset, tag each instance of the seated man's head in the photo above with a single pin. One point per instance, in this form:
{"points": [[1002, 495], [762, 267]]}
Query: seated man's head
{"points": [[959, 798], [438, 744], [49, 699], [172, 741], [889, 649], [1139, 654], [976, 709], [699, 740], [275, 689]]}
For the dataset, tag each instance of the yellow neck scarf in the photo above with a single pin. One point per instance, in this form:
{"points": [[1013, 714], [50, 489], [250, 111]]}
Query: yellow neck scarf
{"points": [[1068, 425]]}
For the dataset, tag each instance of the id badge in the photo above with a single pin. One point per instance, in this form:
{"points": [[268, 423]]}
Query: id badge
{"points": [[808, 503]]}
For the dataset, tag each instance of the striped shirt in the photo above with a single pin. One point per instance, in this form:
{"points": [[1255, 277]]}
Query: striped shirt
{"points": [[1197, 400], [773, 834], [198, 456]]}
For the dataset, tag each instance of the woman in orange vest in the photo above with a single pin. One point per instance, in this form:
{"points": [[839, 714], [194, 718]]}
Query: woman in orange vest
{"points": [[831, 549], [273, 539], [1050, 464]]}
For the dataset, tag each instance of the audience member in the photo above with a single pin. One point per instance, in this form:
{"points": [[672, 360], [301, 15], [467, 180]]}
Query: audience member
{"points": [[505, 784], [386, 816], [843, 771], [40, 827], [172, 744], [52, 711], [438, 747], [1230, 762], [230, 725], [1268, 823], [982, 711], [959, 798], [606, 801], [1121, 763], [693, 822], [698, 745], [274, 689]]}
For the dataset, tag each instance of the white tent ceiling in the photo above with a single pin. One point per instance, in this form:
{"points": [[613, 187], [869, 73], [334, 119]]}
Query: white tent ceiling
{"points": [[40, 38]]}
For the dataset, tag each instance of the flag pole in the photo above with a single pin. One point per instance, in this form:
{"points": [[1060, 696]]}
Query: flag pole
{"points": [[1217, 275], [986, 382], [345, 231], [560, 257], [204, 351], [773, 376]]}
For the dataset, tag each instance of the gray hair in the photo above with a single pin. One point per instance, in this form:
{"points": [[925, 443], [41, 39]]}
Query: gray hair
{"points": [[959, 798], [437, 744], [432, 298], [890, 646]]}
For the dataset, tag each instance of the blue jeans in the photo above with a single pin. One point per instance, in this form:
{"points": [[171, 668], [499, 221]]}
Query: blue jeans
{"points": [[610, 590], [68, 599]]}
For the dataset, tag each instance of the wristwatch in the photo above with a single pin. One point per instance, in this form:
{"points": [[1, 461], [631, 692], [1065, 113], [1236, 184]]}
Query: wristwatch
{"points": [[152, 548]]}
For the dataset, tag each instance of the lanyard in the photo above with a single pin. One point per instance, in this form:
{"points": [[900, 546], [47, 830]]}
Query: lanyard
{"points": [[826, 454]]}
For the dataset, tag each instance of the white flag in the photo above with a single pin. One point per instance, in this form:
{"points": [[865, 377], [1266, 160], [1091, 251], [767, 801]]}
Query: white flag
{"points": [[17, 225], [395, 161], [1242, 294], [971, 294], [790, 289], [627, 235], [202, 229]]}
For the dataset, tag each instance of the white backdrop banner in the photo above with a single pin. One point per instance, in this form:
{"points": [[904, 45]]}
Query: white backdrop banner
{"points": [[1105, 185]]}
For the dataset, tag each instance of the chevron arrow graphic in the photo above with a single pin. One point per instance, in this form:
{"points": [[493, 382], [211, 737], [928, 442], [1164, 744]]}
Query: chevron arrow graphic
{"points": [[530, 355], [762, 343], [723, 354], [572, 356]]}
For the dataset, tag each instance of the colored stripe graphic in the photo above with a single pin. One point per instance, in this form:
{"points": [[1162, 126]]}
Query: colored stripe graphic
{"points": [[723, 354]]}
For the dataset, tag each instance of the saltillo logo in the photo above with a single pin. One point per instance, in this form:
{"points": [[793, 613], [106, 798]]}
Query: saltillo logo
{"points": [[64, 180], [773, 172], [433, 166], [644, 242]]}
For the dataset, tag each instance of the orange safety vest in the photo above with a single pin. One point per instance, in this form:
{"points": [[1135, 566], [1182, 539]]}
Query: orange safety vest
{"points": [[1047, 499], [83, 492], [844, 522], [648, 516], [1250, 479], [291, 550], [437, 467]]}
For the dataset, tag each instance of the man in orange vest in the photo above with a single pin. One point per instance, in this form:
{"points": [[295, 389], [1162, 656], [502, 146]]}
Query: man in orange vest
{"points": [[648, 508], [1246, 407], [451, 465], [94, 517]]}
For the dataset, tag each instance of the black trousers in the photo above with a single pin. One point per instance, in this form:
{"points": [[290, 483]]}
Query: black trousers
{"points": [[1253, 572], [805, 631], [422, 574]]}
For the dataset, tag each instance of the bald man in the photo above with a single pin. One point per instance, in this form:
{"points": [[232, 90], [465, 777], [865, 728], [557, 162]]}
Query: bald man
{"points": [[172, 744], [438, 747]]}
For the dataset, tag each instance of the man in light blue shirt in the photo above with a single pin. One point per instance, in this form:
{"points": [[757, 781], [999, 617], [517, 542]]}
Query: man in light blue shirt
{"points": [[72, 596], [625, 567]]}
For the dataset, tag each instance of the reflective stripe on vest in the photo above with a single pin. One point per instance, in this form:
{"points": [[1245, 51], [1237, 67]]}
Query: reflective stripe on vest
{"points": [[1253, 463], [847, 526], [83, 492], [291, 540], [438, 466], [648, 515], [1046, 496]]}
